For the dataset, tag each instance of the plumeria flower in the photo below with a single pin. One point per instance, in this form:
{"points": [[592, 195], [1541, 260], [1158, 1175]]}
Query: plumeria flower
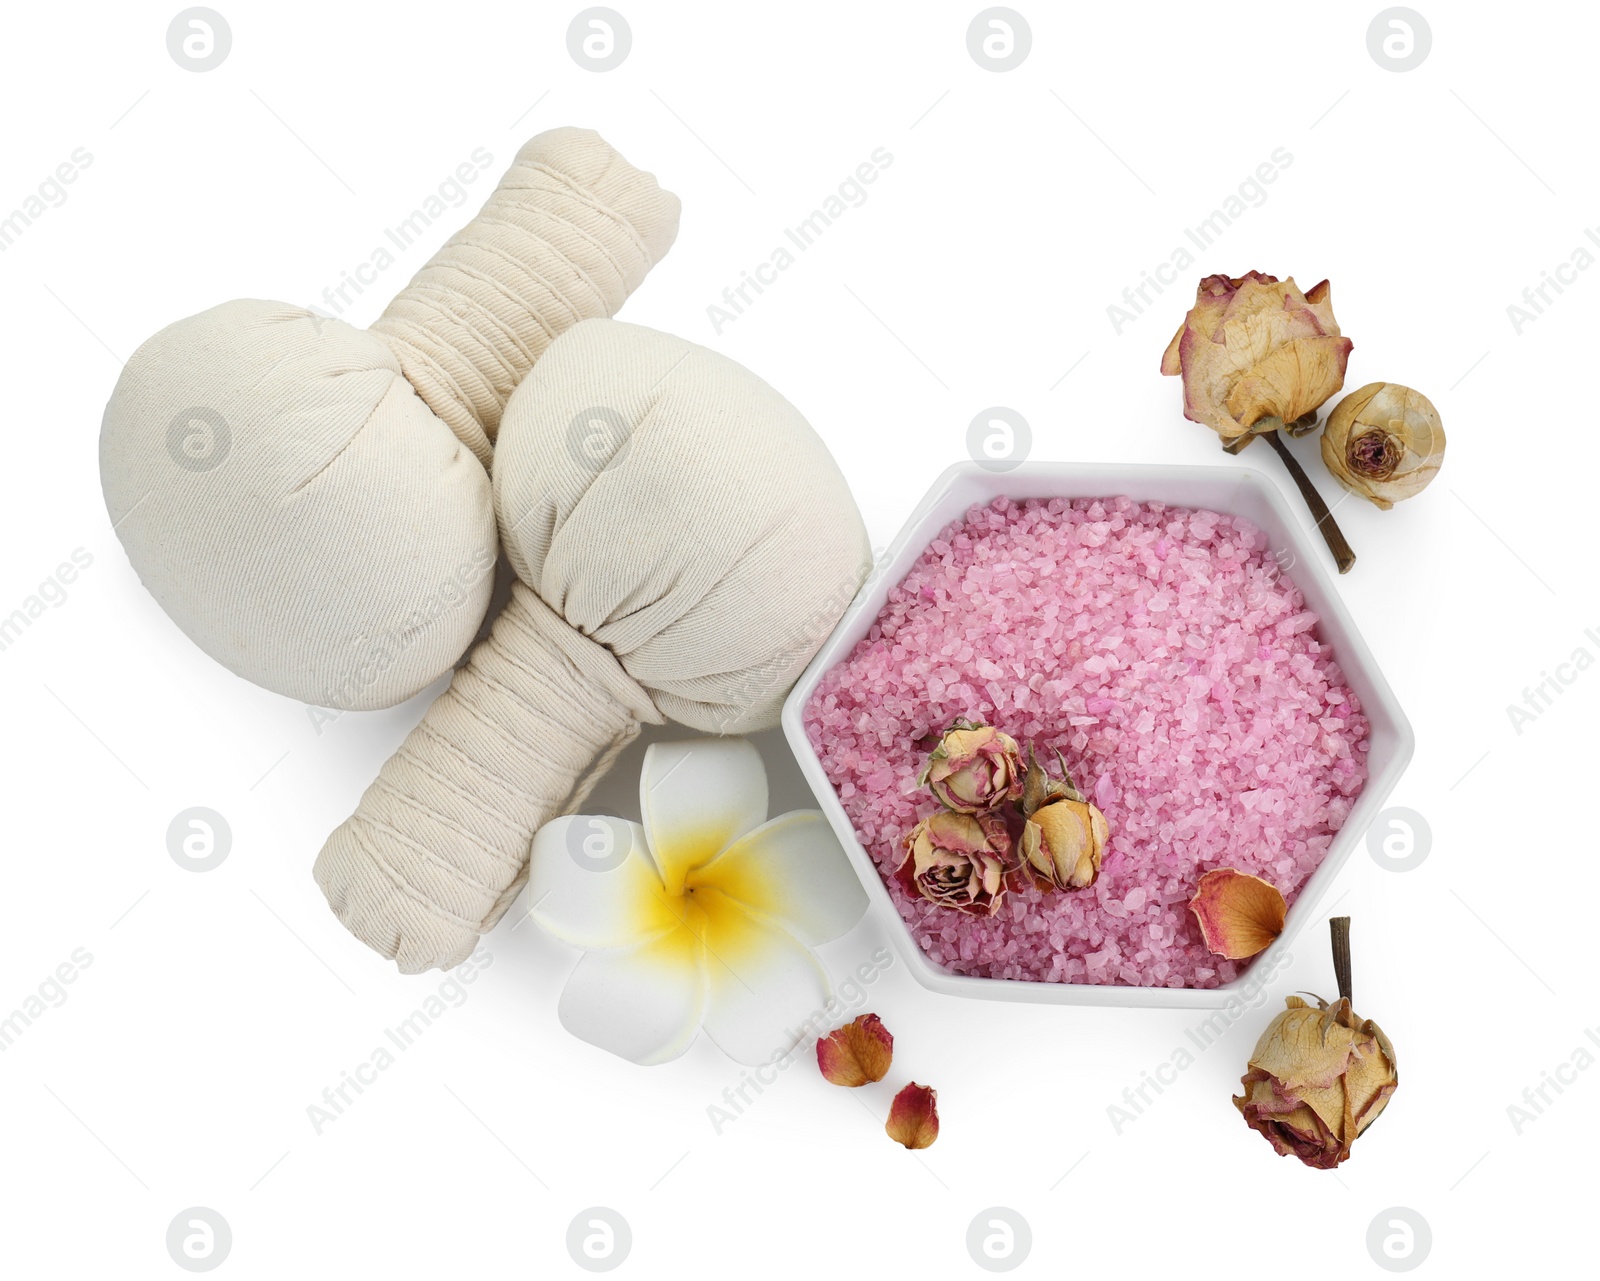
{"points": [[703, 916]]}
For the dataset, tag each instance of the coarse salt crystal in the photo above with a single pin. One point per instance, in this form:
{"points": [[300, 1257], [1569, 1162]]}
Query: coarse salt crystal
{"points": [[1065, 622]]}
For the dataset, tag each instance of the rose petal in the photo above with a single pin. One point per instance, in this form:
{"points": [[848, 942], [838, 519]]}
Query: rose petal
{"points": [[697, 798], [914, 1116], [1171, 365], [1302, 1050], [1369, 1083], [794, 871], [1295, 378], [856, 1053], [1239, 914]]}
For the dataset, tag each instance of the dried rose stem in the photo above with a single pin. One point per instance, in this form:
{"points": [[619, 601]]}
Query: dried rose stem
{"points": [[1343, 557], [1339, 927]]}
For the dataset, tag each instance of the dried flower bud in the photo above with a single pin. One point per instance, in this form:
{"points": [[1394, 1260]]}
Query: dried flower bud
{"points": [[1317, 1080], [1384, 442], [1063, 844], [914, 1116], [1064, 837], [856, 1053], [1239, 914], [974, 768], [1255, 350], [959, 861]]}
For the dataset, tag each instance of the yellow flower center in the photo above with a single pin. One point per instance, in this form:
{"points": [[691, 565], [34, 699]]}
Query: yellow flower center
{"points": [[703, 909]]}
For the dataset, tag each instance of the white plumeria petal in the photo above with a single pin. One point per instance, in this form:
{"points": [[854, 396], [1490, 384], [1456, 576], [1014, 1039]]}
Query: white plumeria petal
{"points": [[794, 872], [644, 1003], [765, 991], [697, 798], [592, 883]]}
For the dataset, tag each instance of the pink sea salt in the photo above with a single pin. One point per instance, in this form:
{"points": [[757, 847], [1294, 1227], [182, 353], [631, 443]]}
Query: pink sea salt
{"points": [[1175, 667]]}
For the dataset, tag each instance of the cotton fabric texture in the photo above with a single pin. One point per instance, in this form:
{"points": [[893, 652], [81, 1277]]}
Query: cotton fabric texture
{"points": [[310, 502], [682, 541]]}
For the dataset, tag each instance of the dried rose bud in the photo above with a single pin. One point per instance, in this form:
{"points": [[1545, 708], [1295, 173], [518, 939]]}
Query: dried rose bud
{"points": [[856, 1053], [1255, 349], [1239, 914], [959, 861], [914, 1116], [974, 768], [1318, 1079], [1064, 838], [1063, 844], [1384, 442]]}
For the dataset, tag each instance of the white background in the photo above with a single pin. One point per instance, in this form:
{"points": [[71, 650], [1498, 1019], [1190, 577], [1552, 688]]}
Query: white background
{"points": [[978, 272]]}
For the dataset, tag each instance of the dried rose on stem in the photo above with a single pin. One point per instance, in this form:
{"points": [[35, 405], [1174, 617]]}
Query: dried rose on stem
{"points": [[1256, 355], [1343, 556], [1256, 348], [1319, 1076]]}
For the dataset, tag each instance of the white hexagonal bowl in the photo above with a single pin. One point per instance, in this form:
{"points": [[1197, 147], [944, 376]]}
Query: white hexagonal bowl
{"points": [[1238, 491]]}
